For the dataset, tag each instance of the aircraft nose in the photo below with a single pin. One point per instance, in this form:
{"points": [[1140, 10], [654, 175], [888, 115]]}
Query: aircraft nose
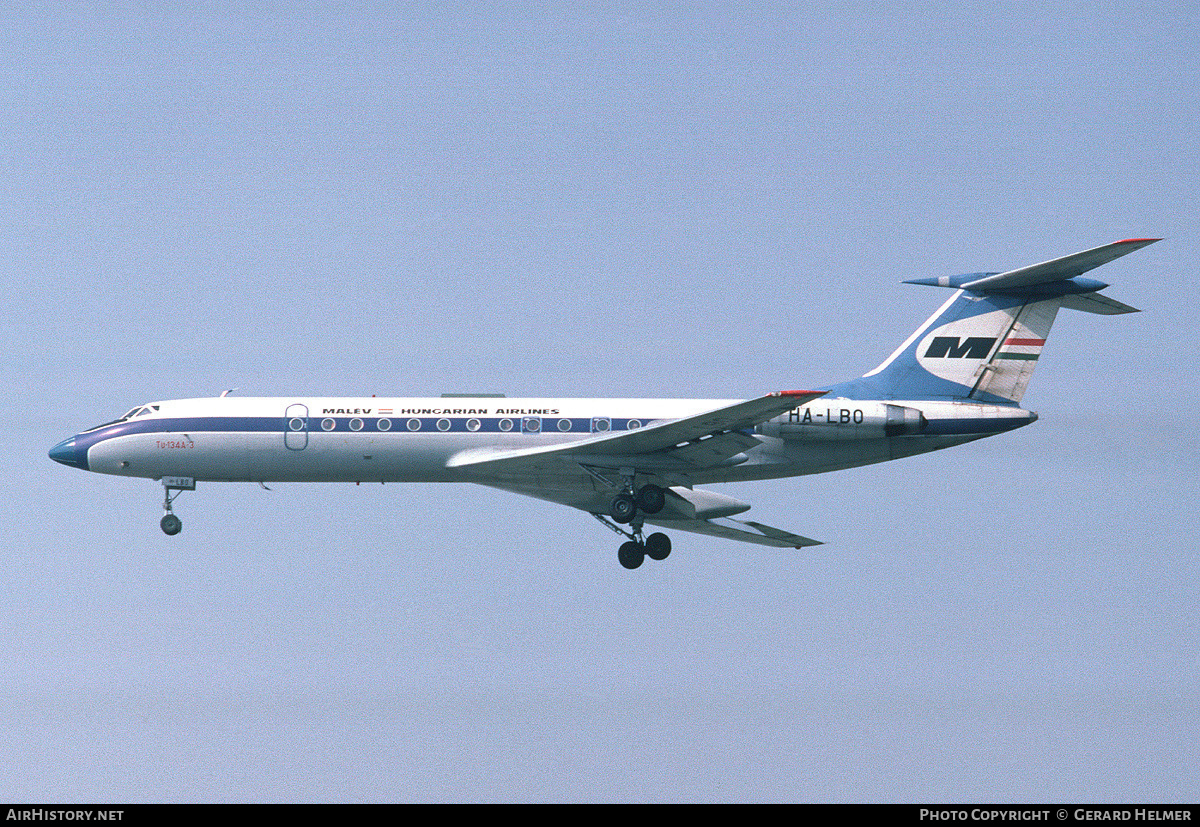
{"points": [[67, 453]]}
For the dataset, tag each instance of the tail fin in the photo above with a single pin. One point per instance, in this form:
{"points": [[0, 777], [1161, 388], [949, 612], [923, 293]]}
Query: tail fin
{"points": [[983, 343]]}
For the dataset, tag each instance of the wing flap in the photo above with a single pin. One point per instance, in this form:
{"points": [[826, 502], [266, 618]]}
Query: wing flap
{"points": [[745, 531], [712, 450]]}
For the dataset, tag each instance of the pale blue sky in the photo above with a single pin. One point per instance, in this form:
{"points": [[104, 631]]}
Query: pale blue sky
{"points": [[573, 200]]}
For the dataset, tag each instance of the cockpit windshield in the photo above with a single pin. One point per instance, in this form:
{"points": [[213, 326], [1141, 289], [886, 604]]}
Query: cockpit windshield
{"points": [[140, 410]]}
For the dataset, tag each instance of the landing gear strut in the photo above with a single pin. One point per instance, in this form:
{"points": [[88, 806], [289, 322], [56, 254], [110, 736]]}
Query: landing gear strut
{"points": [[170, 524]]}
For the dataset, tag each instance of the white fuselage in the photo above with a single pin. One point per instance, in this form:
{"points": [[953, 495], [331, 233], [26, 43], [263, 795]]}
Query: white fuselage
{"points": [[414, 439]]}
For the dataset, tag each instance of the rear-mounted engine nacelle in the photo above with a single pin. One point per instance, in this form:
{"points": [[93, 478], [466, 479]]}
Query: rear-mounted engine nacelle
{"points": [[845, 419]]}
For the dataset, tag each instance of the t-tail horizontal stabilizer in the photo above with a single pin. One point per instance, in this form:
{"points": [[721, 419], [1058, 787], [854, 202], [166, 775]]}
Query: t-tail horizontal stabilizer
{"points": [[1055, 278]]}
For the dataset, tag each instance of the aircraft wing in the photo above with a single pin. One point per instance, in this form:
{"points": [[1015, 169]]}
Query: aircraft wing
{"points": [[698, 441], [573, 473]]}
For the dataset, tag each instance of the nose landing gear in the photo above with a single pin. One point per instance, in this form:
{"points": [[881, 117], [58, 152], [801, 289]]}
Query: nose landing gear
{"points": [[631, 554], [170, 524]]}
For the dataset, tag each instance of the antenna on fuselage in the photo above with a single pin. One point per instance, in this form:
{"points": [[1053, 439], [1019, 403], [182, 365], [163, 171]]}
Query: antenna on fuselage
{"points": [[226, 393]]}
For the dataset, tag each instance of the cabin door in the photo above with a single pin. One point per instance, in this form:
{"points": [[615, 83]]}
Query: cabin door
{"points": [[295, 427]]}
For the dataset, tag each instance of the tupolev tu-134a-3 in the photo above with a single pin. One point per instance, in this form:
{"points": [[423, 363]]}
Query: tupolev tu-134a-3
{"points": [[632, 462]]}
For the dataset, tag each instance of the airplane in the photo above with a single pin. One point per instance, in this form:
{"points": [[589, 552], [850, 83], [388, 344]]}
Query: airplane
{"points": [[631, 462]]}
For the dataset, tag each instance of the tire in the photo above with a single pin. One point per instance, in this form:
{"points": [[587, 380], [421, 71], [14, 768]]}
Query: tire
{"points": [[658, 546], [651, 499], [623, 508], [631, 554], [171, 525]]}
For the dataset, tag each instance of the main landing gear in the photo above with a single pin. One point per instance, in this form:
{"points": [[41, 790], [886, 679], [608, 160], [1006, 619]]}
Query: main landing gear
{"points": [[627, 508]]}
